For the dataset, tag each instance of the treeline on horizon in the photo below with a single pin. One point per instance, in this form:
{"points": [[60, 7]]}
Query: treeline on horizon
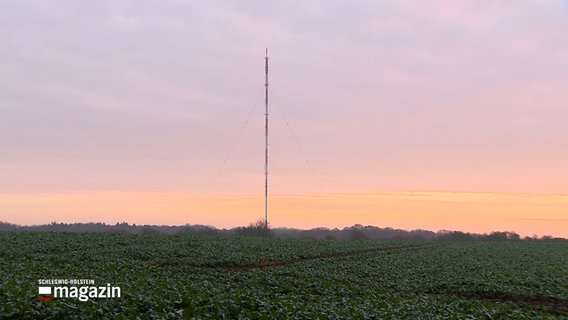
{"points": [[355, 232]]}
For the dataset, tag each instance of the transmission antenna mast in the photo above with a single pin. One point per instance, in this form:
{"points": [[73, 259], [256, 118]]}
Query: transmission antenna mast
{"points": [[266, 140]]}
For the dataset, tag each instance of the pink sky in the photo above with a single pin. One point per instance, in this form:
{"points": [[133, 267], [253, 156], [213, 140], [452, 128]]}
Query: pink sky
{"points": [[389, 100]]}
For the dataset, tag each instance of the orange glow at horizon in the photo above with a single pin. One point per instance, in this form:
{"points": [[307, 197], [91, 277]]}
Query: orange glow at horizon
{"points": [[525, 214]]}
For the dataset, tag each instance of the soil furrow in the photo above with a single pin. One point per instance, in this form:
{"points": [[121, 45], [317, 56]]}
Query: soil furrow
{"points": [[263, 264], [555, 306]]}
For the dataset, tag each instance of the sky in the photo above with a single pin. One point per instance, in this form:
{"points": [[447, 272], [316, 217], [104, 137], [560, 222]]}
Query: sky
{"points": [[438, 115]]}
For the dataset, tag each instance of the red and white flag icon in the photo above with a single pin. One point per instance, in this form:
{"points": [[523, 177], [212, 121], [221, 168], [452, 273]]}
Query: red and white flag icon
{"points": [[44, 291]]}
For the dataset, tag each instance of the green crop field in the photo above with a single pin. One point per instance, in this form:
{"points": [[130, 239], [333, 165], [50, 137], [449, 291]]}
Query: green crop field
{"points": [[192, 277]]}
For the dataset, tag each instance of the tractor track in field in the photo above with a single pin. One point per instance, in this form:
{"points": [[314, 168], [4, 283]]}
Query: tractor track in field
{"points": [[555, 306], [264, 264]]}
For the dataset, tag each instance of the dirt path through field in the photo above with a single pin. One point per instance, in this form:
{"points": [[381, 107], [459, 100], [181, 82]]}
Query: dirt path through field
{"points": [[263, 264], [555, 306]]}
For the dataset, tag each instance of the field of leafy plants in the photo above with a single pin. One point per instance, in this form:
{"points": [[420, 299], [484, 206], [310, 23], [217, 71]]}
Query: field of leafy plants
{"points": [[198, 277]]}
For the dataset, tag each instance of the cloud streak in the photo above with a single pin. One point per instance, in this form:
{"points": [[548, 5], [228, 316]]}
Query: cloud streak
{"points": [[470, 212]]}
